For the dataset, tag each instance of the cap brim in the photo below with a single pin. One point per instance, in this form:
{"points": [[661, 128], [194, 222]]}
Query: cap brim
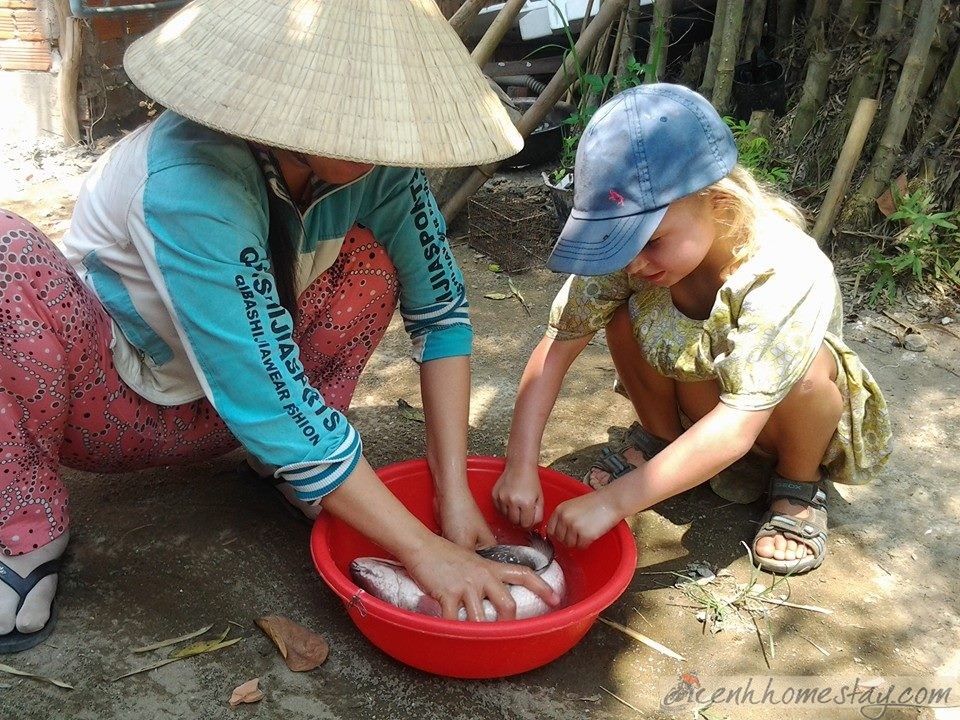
{"points": [[598, 247]]}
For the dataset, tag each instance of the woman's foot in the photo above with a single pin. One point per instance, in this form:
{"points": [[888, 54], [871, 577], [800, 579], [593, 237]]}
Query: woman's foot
{"points": [[24, 617]]}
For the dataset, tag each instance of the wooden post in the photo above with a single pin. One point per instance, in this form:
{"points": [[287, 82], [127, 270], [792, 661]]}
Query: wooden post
{"points": [[542, 105], [628, 41], [494, 34], [464, 16], [729, 49], [889, 19], [70, 46], [751, 40], [713, 53], [948, 103], [843, 172], [901, 109], [659, 38]]}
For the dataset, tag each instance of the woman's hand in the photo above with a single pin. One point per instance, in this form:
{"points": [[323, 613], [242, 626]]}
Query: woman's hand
{"points": [[461, 521], [457, 578], [519, 497], [580, 521]]}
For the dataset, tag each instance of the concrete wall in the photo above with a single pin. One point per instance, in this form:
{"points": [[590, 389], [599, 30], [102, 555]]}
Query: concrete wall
{"points": [[28, 61], [30, 67]]}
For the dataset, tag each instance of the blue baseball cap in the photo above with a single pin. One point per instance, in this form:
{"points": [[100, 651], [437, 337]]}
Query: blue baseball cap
{"points": [[645, 148]]}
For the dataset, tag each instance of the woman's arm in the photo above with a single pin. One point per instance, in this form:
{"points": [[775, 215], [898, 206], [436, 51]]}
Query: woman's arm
{"points": [[452, 575], [517, 493], [719, 438], [445, 388]]}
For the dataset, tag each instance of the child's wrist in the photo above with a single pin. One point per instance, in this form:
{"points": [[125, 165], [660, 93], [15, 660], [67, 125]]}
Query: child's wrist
{"points": [[522, 457]]}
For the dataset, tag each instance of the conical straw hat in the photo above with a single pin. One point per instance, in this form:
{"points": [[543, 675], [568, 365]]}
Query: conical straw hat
{"points": [[379, 81]]}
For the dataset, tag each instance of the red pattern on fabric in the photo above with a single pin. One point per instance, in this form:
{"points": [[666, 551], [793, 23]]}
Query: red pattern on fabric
{"points": [[62, 401]]}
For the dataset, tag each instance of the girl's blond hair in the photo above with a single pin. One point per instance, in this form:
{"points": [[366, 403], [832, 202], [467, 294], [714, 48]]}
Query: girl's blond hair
{"points": [[747, 210]]}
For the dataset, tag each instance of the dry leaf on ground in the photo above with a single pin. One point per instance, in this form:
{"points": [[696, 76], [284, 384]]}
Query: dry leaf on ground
{"points": [[302, 649], [886, 202], [249, 692]]}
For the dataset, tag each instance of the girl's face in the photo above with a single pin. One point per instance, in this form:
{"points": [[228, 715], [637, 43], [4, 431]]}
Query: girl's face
{"points": [[679, 244]]}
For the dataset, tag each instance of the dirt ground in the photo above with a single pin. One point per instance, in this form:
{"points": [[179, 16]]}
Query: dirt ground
{"points": [[162, 552]]}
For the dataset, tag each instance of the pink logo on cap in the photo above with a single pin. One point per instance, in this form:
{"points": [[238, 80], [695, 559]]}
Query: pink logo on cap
{"points": [[616, 197]]}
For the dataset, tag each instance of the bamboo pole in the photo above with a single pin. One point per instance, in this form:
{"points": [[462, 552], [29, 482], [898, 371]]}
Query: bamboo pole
{"points": [[534, 115], [819, 10], [786, 12], [948, 103], [852, 13], [494, 35], [70, 49], [865, 82], [660, 37], [889, 19], [900, 111], [628, 42], [814, 89], [843, 172], [938, 49], [758, 12], [728, 56], [587, 14], [713, 53], [464, 16]]}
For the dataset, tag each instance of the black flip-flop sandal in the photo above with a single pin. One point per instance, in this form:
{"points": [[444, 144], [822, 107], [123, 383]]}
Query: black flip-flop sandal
{"points": [[810, 531], [16, 641]]}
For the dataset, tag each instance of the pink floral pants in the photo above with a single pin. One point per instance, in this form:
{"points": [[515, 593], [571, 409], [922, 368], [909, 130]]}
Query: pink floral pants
{"points": [[62, 401]]}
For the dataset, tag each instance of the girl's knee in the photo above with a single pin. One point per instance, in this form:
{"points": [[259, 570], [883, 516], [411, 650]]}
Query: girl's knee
{"points": [[815, 398]]}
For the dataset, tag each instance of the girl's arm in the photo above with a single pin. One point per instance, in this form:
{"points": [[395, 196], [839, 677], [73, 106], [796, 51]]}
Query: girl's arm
{"points": [[517, 494], [713, 443], [445, 388], [452, 575]]}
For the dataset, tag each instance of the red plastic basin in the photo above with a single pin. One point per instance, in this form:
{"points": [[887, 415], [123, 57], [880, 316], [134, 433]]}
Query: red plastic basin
{"points": [[595, 578]]}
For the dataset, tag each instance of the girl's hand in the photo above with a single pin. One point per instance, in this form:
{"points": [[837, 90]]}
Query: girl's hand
{"points": [[457, 578], [578, 522], [519, 497], [461, 521]]}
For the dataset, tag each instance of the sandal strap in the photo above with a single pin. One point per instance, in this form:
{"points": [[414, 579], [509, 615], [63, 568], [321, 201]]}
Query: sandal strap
{"points": [[23, 585], [613, 462], [804, 493], [803, 529], [649, 445], [811, 532]]}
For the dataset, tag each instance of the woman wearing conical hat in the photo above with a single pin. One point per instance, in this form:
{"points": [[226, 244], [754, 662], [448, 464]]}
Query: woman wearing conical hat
{"points": [[231, 266]]}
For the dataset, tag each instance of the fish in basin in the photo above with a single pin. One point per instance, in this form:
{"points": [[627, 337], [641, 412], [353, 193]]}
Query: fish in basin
{"points": [[389, 581]]}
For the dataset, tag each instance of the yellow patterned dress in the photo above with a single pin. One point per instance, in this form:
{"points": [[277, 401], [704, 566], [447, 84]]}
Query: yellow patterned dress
{"points": [[767, 324]]}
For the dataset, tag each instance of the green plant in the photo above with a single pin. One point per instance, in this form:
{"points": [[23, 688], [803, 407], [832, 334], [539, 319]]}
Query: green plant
{"points": [[756, 154], [926, 248], [593, 91]]}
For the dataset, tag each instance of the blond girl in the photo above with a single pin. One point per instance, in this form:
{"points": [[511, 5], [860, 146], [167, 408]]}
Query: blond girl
{"points": [[718, 308]]}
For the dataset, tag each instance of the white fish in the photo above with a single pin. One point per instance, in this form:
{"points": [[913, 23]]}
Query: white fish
{"points": [[389, 581]]}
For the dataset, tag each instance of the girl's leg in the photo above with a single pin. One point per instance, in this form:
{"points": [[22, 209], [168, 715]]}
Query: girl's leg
{"points": [[344, 314], [797, 433], [654, 397]]}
